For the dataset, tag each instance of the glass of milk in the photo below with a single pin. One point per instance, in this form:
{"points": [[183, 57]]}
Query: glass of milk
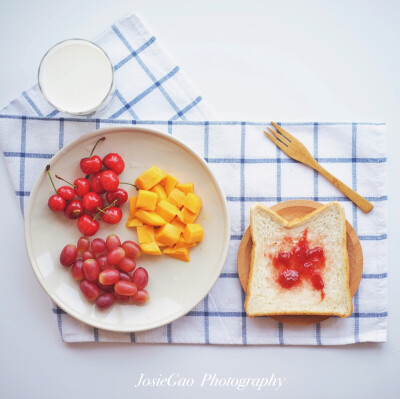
{"points": [[77, 77]]}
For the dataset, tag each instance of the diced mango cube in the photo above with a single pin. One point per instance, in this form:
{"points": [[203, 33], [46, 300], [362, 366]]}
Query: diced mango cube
{"points": [[160, 191], [187, 216], [176, 197], [150, 217], [150, 178], [169, 183], [145, 234], [132, 207], [181, 243], [168, 234], [178, 253], [150, 248], [146, 200], [180, 225], [179, 216], [135, 222], [185, 187], [166, 210], [193, 233], [193, 203]]}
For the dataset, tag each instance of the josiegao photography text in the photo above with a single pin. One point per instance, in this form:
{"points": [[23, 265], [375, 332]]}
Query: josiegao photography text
{"points": [[210, 380]]}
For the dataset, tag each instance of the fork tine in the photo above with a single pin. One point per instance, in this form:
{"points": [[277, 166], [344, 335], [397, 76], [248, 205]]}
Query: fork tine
{"points": [[283, 132], [278, 143], [281, 138]]}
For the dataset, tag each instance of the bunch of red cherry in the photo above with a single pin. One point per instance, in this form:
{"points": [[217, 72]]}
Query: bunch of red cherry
{"points": [[106, 270], [101, 178]]}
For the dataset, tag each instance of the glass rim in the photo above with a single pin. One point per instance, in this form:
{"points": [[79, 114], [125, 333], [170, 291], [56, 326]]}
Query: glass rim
{"points": [[103, 101]]}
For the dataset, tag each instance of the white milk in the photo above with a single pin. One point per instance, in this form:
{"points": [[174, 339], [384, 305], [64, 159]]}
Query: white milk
{"points": [[76, 77]]}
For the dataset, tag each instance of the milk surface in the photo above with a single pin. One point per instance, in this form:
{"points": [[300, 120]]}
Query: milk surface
{"points": [[76, 76]]}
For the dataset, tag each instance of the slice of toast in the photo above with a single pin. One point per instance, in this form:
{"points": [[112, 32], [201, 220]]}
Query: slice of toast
{"points": [[325, 228]]}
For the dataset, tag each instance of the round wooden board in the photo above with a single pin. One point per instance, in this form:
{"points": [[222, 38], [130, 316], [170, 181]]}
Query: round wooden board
{"points": [[291, 210]]}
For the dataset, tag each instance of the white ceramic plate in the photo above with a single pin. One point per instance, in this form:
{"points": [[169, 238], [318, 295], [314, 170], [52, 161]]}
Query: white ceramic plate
{"points": [[175, 287]]}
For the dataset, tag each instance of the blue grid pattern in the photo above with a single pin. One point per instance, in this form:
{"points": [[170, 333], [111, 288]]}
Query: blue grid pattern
{"points": [[211, 310], [137, 51], [157, 83], [134, 52]]}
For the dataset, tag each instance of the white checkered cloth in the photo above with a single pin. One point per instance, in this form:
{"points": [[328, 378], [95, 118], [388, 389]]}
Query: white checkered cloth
{"points": [[249, 167]]}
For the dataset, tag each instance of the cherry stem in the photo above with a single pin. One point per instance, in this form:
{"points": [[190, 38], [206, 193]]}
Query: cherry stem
{"points": [[73, 185], [134, 185], [103, 210], [51, 179], [97, 142]]}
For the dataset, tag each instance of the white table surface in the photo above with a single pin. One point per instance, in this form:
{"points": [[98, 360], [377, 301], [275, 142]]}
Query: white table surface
{"points": [[304, 61]]}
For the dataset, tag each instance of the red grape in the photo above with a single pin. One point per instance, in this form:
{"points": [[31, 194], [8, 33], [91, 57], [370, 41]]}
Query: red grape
{"points": [[77, 270], [98, 245], [121, 298], [112, 241], [89, 289], [83, 244], [91, 269], [140, 277], [141, 297], [132, 250], [115, 256], [125, 288], [125, 276], [88, 255], [127, 265], [103, 264], [109, 276], [113, 275], [68, 255], [105, 300], [106, 288]]}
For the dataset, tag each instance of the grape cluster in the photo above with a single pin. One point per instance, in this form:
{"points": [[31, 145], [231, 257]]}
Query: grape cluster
{"points": [[106, 270]]}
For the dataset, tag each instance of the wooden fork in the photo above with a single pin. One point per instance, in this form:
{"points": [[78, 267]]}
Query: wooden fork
{"points": [[296, 150]]}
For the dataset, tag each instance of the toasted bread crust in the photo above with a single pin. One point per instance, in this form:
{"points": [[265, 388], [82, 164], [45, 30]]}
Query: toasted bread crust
{"points": [[292, 224]]}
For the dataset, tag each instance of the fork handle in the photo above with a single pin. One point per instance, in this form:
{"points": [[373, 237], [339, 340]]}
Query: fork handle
{"points": [[360, 201]]}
